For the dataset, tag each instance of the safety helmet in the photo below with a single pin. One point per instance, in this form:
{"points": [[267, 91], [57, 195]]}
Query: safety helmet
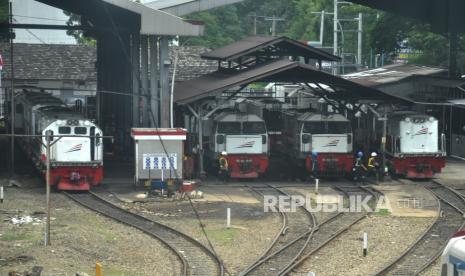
{"points": [[374, 154], [224, 153], [360, 154]]}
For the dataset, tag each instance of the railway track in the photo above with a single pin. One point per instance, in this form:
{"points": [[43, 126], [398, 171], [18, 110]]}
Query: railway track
{"points": [[196, 259], [331, 228], [309, 241], [295, 234], [421, 254]]}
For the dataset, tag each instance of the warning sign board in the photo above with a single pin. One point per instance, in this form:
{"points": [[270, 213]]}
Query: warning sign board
{"points": [[159, 161]]}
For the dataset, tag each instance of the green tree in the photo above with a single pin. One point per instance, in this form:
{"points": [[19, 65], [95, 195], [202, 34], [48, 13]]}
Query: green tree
{"points": [[4, 19], [75, 20]]}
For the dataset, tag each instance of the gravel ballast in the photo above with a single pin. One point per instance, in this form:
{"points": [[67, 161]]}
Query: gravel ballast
{"points": [[388, 237]]}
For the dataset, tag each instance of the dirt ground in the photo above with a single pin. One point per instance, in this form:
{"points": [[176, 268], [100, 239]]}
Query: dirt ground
{"points": [[79, 238], [251, 232]]}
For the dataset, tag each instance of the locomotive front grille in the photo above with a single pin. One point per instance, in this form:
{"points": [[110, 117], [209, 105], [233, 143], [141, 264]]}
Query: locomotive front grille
{"points": [[244, 164], [76, 164]]}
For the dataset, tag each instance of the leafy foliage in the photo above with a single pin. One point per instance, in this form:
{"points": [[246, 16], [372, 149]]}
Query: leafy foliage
{"points": [[4, 18], [75, 20], [382, 32]]}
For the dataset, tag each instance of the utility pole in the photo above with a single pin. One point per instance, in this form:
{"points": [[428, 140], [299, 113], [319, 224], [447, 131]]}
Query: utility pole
{"points": [[254, 22], [12, 99], [360, 32], [322, 27], [48, 137], [335, 71], [273, 20], [255, 25]]}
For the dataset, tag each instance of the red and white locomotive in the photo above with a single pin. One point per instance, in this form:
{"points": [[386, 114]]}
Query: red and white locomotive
{"points": [[328, 137], [76, 162], [414, 146], [245, 139]]}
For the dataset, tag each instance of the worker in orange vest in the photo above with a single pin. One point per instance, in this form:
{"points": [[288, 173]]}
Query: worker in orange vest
{"points": [[224, 166]]}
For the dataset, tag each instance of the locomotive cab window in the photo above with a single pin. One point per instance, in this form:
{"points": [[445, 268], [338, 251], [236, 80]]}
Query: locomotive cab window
{"points": [[339, 127], [254, 128], [229, 128], [64, 130], [327, 127], [315, 128], [80, 130]]}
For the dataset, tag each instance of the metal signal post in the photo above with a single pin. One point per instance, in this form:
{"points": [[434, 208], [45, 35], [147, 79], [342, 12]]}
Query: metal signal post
{"points": [[48, 137]]}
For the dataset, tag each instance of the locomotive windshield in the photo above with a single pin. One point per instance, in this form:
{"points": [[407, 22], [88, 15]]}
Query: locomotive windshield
{"points": [[253, 128], [327, 127], [235, 128], [229, 128], [339, 127]]}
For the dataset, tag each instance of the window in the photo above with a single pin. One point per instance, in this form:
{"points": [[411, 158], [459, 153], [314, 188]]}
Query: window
{"points": [[80, 130], [339, 127], [64, 130], [315, 128], [327, 127], [229, 128], [254, 128]]}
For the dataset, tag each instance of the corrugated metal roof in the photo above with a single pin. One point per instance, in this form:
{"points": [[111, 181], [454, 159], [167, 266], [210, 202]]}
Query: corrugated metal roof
{"points": [[392, 73], [281, 70], [184, 7], [152, 21], [252, 45]]}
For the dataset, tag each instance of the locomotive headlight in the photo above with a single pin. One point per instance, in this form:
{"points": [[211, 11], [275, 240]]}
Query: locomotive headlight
{"points": [[86, 123], [60, 122], [69, 122], [431, 119], [407, 119]]}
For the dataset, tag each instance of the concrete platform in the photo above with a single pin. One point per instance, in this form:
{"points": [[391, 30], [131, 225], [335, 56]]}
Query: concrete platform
{"points": [[326, 195], [409, 200], [223, 193], [453, 174]]}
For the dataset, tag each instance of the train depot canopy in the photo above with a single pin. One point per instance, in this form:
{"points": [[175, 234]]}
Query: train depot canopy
{"points": [[267, 47], [288, 71]]}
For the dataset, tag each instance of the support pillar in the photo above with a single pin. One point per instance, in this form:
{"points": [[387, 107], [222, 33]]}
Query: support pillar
{"points": [[164, 67], [135, 58], [154, 78], [144, 57]]}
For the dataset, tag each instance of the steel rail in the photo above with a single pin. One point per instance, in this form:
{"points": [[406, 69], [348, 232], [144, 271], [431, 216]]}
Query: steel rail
{"points": [[331, 237], [178, 242], [443, 227], [280, 232], [269, 258], [324, 236]]}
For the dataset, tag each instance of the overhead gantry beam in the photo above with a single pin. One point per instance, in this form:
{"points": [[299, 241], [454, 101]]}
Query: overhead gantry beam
{"points": [[184, 7]]}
